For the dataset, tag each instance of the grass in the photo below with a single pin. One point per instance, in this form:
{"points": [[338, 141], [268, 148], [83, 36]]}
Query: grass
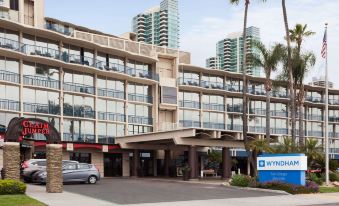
{"points": [[18, 200], [328, 189]]}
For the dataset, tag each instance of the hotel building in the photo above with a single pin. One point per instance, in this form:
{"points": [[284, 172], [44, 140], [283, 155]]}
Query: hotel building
{"points": [[133, 108]]}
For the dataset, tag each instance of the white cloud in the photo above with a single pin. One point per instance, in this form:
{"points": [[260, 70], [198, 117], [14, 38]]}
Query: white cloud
{"points": [[201, 39]]}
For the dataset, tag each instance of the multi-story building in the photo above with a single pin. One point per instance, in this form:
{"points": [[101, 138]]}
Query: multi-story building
{"points": [[213, 63], [230, 55], [133, 108], [320, 82], [159, 25]]}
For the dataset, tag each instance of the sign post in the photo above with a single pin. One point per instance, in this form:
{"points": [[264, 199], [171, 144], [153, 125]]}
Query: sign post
{"points": [[287, 168]]}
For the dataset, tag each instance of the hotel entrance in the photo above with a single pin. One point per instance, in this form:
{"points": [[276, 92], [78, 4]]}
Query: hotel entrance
{"points": [[112, 165]]}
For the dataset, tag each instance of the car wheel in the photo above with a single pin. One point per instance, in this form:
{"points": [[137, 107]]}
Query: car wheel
{"points": [[92, 179]]}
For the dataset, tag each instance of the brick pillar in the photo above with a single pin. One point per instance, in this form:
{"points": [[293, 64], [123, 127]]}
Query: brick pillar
{"points": [[167, 161], [54, 168], [11, 158], [226, 163], [192, 161]]}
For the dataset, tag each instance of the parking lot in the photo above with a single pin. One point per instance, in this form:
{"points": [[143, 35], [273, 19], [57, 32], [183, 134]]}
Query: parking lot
{"points": [[133, 191]]}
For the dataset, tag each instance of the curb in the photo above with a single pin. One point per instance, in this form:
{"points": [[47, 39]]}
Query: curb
{"points": [[257, 189]]}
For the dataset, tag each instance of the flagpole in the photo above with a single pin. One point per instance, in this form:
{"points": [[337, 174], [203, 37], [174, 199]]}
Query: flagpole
{"points": [[326, 116]]}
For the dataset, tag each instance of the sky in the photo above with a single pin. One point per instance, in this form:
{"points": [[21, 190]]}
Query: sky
{"points": [[203, 23]]}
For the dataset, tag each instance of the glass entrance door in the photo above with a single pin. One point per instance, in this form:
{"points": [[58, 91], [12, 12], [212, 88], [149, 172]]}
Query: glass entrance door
{"points": [[112, 165]]}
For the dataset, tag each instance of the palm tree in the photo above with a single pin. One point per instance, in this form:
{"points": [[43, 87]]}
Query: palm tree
{"points": [[297, 35], [258, 146], [314, 152], [290, 72], [285, 147], [269, 60]]}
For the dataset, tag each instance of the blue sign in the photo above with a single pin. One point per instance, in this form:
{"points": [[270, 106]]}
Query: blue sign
{"points": [[288, 168]]}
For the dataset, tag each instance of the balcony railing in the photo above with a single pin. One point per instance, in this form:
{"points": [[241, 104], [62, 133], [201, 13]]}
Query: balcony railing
{"points": [[7, 104], [333, 119], [279, 94], [111, 116], [279, 131], [41, 51], [214, 125], [189, 104], [140, 120], [256, 91], [9, 76], [103, 139], [233, 88], [333, 101], [189, 81], [234, 108], [213, 106], [189, 123], [102, 65], [86, 138], [235, 127], [111, 93], [334, 150], [9, 44], [142, 73], [331, 134], [42, 108], [315, 133], [314, 99], [41, 81], [78, 112], [257, 129], [212, 85], [75, 87], [315, 117], [77, 59], [258, 111], [279, 113], [58, 28], [140, 98]]}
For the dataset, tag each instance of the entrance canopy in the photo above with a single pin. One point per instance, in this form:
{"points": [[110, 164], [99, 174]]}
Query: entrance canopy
{"points": [[175, 139]]}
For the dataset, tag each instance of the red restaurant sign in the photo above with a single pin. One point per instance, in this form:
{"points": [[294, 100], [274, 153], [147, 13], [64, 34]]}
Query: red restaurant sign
{"points": [[34, 127]]}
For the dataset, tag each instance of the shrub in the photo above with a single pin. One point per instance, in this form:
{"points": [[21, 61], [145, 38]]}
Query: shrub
{"points": [[11, 187], [242, 180], [311, 187], [333, 176], [314, 178]]}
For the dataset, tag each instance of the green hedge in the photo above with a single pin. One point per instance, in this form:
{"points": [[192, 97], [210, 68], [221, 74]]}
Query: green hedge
{"points": [[242, 181], [11, 187]]}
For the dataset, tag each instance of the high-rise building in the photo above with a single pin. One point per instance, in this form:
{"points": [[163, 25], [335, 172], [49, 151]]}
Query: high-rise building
{"points": [[213, 63], [230, 55], [159, 25], [320, 82]]}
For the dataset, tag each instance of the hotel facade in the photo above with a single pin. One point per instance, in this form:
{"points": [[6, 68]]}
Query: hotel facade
{"points": [[130, 108]]}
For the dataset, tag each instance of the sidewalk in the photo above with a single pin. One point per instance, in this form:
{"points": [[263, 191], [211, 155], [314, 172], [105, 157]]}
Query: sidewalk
{"points": [[63, 199]]}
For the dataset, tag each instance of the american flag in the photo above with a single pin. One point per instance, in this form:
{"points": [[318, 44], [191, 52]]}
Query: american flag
{"points": [[324, 48]]}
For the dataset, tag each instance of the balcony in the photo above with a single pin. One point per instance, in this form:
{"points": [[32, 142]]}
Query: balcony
{"points": [[256, 91], [79, 111], [333, 119], [9, 44], [257, 129], [279, 131], [7, 104], [142, 73], [111, 116], [59, 28], [314, 99], [331, 134], [140, 120], [314, 133], [9, 76], [213, 106], [279, 94], [333, 101], [110, 67], [111, 93], [213, 125], [75, 87], [233, 88], [42, 108], [140, 98], [78, 59], [212, 85], [315, 117], [103, 139], [279, 113], [334, 150], [189, 104], [85, 138], [41, 81], [190, 123], [189, 81], [41, 51], [235, 108], [234, 127], [258, 111]]}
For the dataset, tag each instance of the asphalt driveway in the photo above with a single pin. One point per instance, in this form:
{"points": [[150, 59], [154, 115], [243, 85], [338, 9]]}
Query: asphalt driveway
{"points": [[133, 191]]}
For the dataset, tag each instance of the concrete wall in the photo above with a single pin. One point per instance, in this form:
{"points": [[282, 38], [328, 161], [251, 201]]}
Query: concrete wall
{"points": [[125, 164], [98, 161]]}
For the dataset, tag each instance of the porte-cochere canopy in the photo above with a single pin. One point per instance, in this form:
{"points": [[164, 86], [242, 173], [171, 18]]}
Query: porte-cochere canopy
{"points": [[26, 127]]}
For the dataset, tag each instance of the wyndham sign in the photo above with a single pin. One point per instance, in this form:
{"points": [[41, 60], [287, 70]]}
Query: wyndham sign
{"points": [[289, 168]]}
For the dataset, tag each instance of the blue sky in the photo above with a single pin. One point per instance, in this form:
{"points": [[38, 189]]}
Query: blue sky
{"points": [[203, 23]]}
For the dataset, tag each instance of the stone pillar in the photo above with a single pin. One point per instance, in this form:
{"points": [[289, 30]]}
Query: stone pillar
{"points": [[11, 160], [226, 163], [125, 164], [136, 158], [192, 161], [54, 168], [167, 162]]}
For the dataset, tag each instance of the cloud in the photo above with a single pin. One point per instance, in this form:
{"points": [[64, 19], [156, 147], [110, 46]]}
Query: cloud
{"points": [[201, 39]]}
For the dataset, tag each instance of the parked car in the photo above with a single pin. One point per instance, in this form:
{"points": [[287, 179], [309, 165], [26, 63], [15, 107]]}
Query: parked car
{"points": [[73, 172], [30, 167]]}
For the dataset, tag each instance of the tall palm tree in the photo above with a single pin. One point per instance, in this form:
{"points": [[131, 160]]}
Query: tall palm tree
{"points": [[297, 35], [290, 72], [269, 60]]}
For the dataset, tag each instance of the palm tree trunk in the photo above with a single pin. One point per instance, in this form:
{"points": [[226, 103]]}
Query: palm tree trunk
{"points": [[268, 115], [290, 74], [301, 118], [245, 85]]}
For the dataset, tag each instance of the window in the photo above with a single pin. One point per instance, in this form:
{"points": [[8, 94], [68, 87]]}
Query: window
{"points": [[169, 95], [83, 166], [81, 157], [70, 167], [14, 5]]}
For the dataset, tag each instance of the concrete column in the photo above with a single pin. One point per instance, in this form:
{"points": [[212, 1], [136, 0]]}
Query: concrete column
{"points": [[11, 160], [192, 161], [167, 161], [136, 157], [54, 168], [226, 163], [125, 164], [155, 164]]}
